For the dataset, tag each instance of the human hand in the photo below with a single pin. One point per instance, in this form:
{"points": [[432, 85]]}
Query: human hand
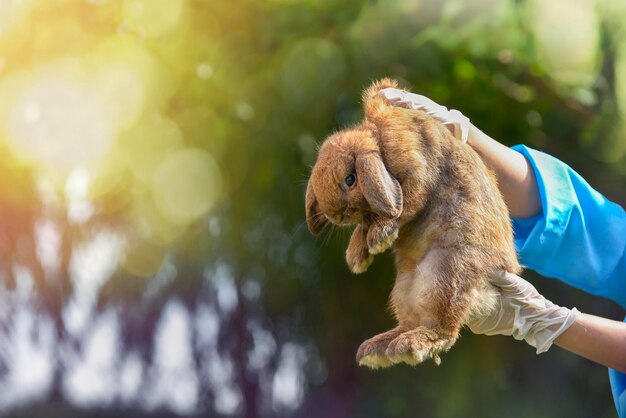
{"points": [[459, 125], [524, 313]]}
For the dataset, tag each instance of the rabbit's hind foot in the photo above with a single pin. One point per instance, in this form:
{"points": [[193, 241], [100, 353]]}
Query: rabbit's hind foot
{"points": [[415, 346], [371, 353]]}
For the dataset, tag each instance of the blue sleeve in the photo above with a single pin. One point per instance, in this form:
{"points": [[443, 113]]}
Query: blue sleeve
{"points": [[579, 238], [618, 387]]}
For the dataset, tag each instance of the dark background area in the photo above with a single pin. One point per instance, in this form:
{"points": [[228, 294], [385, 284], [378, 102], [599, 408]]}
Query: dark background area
{"points": [[156, 262]]}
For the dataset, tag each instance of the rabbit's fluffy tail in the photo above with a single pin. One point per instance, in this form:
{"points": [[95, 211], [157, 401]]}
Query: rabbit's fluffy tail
{"points": [[376, 107]]}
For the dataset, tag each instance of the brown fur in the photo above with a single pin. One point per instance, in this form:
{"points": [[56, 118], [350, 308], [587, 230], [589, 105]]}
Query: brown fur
{"points": [[429, 196]]}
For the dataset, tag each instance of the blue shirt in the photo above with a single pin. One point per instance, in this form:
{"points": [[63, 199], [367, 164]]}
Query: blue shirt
{"points": [[579, 238]]}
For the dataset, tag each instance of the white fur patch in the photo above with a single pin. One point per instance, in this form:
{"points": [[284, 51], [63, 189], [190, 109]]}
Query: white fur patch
{"points": [[411, 295]]}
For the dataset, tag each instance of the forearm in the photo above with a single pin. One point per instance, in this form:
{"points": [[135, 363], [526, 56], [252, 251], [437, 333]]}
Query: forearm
{"points": [[597, 339], [516, 178]]}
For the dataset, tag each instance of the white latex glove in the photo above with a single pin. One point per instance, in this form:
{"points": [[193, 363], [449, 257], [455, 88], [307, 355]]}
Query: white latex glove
{"points": [[459, 125], [524, 314]]}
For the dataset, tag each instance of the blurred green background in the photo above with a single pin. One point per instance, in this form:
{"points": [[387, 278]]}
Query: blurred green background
{"points": [[154, 255]]}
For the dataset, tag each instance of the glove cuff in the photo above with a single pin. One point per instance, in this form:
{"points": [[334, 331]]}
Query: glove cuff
{"points": [[542, 339]]}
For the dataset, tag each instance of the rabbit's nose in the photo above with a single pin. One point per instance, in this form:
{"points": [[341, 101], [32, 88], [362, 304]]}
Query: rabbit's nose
{"points": [[350, 216]]}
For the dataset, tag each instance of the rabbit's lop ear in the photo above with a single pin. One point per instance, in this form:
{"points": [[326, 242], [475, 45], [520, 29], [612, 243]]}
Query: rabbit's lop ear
{"points": [[381, 190], [315, 219]]}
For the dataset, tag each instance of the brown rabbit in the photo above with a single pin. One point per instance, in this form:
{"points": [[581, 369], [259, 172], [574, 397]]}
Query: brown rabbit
{"points": [[406, 182]]}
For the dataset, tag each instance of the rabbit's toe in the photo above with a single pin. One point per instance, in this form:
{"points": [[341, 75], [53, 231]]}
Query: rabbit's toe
{"points": [[375, 361], [371, 353]]}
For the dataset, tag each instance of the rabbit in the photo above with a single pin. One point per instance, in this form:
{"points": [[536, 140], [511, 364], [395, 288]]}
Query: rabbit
{"points": [[406, 183]]}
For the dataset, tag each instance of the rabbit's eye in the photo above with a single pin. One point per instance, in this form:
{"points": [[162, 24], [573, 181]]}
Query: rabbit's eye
{"points": [[350, 180]]}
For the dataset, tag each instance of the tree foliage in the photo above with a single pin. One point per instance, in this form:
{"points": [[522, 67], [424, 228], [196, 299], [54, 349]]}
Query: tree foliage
{"points": [[155, 259]]}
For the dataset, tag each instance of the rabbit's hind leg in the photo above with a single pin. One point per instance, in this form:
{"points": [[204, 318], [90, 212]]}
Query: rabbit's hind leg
{"points": [[430, 302]]}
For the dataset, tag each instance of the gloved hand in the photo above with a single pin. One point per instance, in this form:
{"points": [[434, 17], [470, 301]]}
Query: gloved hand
{"points": [[459, 125], [524, 314]]}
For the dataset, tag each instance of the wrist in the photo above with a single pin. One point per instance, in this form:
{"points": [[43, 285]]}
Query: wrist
{"points": [[597, 339], [543, 333]]}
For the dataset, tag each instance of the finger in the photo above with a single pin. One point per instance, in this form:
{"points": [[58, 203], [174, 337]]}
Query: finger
{"points": [[422, 100], [514, 284], [464, 135], [392, 94], [503, 279], [456, 114], [455, 131], [417, 101]]}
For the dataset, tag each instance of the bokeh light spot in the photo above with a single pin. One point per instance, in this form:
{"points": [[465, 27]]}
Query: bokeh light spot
{"points": [[60, 125], [125, 58], [244, 111], [146, 144], [110, 84], [152, 17], [186, 185], [204, 71]]}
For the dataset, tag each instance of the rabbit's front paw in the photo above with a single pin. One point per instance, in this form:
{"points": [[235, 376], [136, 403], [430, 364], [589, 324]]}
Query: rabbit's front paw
{"points": [[358, 259], [381, 236], [357, 254], [360, 265]]}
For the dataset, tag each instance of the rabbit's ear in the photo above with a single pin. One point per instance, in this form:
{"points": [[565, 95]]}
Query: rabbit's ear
{"points": [[315, 219], [381, 190]]}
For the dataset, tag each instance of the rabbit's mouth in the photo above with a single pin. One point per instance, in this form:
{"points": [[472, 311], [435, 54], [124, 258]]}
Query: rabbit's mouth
{"points": [[349, 216]]}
